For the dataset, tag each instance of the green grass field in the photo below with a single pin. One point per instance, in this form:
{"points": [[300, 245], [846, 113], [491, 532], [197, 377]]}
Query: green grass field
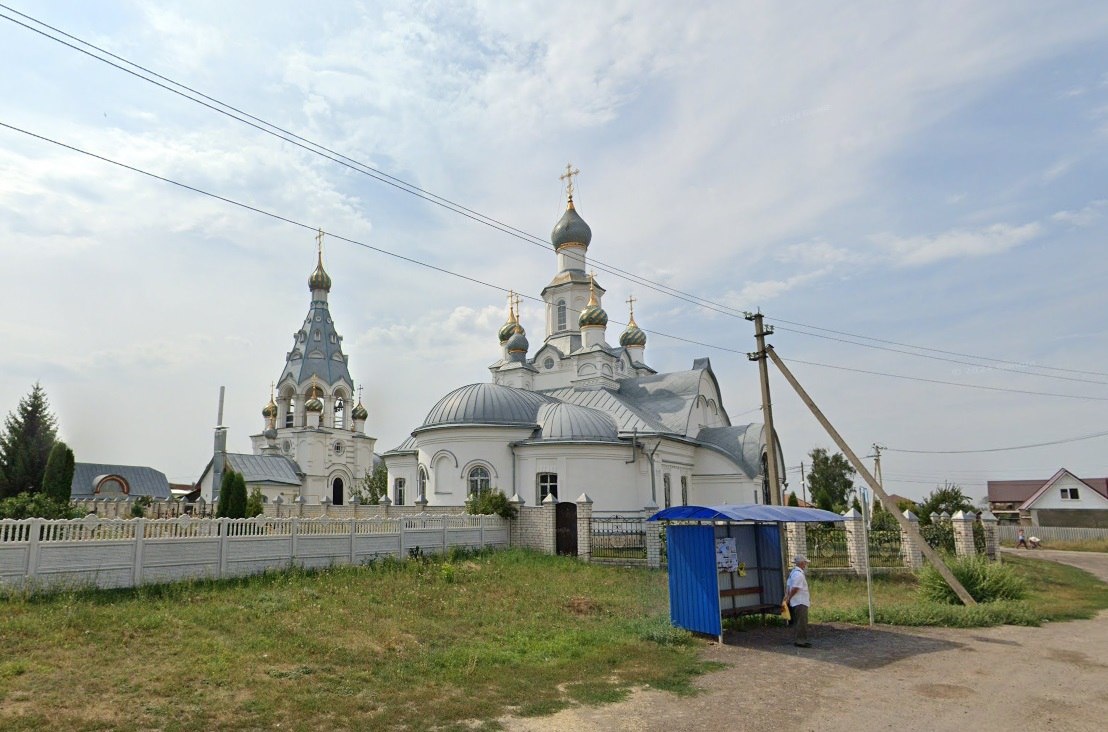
{"points": [[415, 645]]}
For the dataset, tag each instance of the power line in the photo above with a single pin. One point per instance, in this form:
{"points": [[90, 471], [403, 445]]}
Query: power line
{"points": [[304, 143], [947, 383], [309, 227], [1079, 438]]}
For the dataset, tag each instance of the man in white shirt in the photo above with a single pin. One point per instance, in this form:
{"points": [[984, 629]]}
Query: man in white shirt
{"points": [[798, 600]]}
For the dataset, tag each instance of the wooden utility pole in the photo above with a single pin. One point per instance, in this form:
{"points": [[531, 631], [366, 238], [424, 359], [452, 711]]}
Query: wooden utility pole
{"points": [[760, 333], [905, 525], [803, 483]]}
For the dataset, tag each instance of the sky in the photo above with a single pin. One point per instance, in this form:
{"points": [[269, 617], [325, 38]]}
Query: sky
{"points": [[923, 174]]}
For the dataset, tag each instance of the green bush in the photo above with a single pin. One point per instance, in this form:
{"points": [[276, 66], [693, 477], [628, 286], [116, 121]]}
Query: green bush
{"points": [[493, 502], [985, 581], [36, 505], [139, 506], [255, 504]]}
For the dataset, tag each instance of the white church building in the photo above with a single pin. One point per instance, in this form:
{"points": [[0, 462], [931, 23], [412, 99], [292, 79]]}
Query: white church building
{"points": [[313, 445], [582, 416]]}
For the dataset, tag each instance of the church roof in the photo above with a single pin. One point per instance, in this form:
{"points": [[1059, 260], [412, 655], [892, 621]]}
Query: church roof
{"points": [[491, 404], [560, 421], [742, 443], [265, 468], [141, 480], [316, 350]]}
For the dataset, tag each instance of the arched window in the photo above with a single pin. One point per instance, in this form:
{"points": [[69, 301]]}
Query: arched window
{"points": [[340, 413], [561, 315], [479, 481], [337, 492], [398, 491], [290, 414], [421, 482]]}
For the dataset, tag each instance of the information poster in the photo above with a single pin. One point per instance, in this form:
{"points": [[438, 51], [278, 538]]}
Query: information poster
{"points": [[727, 554]]}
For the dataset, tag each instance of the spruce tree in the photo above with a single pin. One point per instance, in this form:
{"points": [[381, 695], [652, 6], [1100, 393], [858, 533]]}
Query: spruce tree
{"points": [[25, 444], [793, 500], [225, 487], [236, 501], [57, 481]]}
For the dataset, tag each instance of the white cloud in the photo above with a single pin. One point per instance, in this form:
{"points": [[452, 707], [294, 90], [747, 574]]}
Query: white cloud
{"points": [[1081, 217], [956, 243]]}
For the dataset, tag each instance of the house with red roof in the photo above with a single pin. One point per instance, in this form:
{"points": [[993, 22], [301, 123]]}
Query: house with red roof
{"points": [[1062, 500]]}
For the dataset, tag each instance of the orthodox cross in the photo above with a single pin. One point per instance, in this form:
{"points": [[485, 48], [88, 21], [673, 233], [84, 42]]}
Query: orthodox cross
{"points": [[516, 300], [319, 241], [568, 177], [631, 303], [359, 395]]}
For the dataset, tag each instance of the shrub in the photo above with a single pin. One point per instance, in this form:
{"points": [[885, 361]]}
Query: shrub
{"points": [[36, 505], [985, 581], [139, 506], [493, 502], [255, 504]]}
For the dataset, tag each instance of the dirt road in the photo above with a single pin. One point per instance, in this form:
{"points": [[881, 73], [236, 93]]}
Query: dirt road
{"points": [[1009, 678]]}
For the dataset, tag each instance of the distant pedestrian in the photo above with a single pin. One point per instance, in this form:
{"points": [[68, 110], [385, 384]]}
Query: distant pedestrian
{"points": [[1021, 540], [798, 600]]}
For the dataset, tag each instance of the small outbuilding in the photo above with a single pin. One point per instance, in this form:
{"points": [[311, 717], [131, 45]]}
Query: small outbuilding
{"points": [[726, 561]]}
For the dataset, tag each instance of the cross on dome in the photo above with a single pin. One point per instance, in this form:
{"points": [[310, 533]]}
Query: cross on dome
{"points": [[568, 178]]}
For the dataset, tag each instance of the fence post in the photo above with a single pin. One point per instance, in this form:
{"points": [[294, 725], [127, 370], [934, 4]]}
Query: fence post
{"points": [[140, 537], [294, 533], [353, 529], [584, 527], [222, 524], [856, 541], [515, 528], [384, 503], [909, 547], [35, 529], [988, 526], [796, 539], [963, 534], [550, 524], [650, 535], [421, 503]]}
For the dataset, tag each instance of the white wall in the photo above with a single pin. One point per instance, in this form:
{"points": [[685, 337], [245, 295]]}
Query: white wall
{"points": [[1086, 496]]}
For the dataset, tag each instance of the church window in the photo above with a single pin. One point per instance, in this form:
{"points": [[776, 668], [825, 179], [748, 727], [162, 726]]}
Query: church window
{"points": [[317, 336], [548, 363], [421, 481], [666, 490], [337, 492], [290, 413], [684, 490], [398, 491], [333, 338], [548, 485], [479, 481], [340, 413], [561, 315]]}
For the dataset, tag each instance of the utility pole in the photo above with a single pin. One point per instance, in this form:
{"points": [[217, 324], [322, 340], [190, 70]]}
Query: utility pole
{"points": [[877, 463], [760, 333], [803, 483], [928, 552]]}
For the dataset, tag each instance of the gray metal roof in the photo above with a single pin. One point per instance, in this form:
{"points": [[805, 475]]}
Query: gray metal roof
{"points": [[316, 351], [571, 228], [560, 421], [143, 481], [264, 468], [669, 398], [487, 404], [629, 417], [408, 445], [742, 443]]}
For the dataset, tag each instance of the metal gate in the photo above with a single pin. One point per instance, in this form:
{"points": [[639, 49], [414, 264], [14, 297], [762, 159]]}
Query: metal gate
{"points": [[619, 537], [565, 528]]}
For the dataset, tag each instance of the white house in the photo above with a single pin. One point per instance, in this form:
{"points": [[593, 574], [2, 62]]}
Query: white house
{"points": [[1066, 500]]}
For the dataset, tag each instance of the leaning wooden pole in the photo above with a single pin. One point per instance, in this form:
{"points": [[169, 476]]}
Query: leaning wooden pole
{"points": [[931, 555]]}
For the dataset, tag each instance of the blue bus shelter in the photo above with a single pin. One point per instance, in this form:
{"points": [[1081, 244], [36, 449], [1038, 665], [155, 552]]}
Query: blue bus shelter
{"points": [[726, 561]]}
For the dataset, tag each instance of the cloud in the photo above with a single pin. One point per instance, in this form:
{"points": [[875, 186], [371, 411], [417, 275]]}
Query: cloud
{"points": [[956, 243], [1082, 217]]}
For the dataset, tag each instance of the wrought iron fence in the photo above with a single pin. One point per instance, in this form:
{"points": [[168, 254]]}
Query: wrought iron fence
{"points": [[884, 548], [827, 547], [618, 537]]}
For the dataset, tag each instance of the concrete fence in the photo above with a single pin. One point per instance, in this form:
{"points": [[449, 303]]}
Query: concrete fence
{"points": [[129, 552], [159, 508], [1008, 532]]}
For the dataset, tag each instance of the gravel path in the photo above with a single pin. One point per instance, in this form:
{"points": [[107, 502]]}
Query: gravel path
{"points": [[857, 678]]}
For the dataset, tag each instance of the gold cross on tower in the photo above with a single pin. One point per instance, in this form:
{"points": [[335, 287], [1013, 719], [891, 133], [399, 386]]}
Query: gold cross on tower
{"points": [[319, 241], [516, 300], [359, 395], [568, 178], [631, 303]]}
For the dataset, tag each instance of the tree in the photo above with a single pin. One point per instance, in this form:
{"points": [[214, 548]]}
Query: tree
{"points": [[830, 481], [36, 505], [57, 481], [793, 500], [948, 498], [882, 520], [493, 502], [232, 496], [255, 504], [25, 444], [374, 485]]}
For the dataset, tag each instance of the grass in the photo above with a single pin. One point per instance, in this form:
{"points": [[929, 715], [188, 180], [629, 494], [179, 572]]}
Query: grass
{"points": [[413, 645], [1055, 592]]}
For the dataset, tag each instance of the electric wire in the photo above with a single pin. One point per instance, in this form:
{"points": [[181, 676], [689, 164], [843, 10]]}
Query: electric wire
{"points": [[400, 184], [1063, 441]]}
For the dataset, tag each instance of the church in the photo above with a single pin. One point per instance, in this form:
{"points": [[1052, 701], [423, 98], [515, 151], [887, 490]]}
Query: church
{"points": [[313, 445], [581, 415]]}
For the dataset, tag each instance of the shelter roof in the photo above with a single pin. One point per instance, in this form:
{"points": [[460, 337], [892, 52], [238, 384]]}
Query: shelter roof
{"points": [[757, 512]]}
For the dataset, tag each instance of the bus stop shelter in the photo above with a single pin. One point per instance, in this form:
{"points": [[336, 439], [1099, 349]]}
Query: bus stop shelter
{"points": [[726, 561]]}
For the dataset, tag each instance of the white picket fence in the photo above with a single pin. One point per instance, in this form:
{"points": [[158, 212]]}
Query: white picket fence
{"points": [[1008, 532], [42, 553]]}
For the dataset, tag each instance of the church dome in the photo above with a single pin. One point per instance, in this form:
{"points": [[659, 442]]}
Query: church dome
{"points": [[313, 404], [561, 421], [360, 412], [633, 336], [319, 279], [570, 229], [486, 404], [270, 410], [593, 314], [518, 342], [270, 434]]}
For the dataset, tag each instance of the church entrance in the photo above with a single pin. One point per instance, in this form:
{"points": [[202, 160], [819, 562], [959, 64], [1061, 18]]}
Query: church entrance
{"points": [[336, 497], [565, 528]]}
